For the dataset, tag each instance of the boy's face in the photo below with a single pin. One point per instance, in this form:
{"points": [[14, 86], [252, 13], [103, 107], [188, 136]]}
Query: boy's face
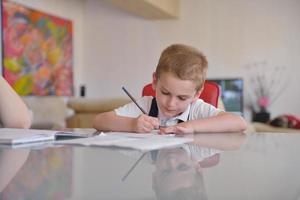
{"points": [[174, 95], [174, 169]]}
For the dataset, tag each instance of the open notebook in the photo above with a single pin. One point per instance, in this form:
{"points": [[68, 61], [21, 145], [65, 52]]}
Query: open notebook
{"points": [[15, 136]]}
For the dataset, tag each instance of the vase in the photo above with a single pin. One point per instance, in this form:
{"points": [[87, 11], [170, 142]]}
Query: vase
{"points": [[262, 116]]}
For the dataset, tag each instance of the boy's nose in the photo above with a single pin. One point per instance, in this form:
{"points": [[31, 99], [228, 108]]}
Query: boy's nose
{"points": [[171, 102], [171, 162]]}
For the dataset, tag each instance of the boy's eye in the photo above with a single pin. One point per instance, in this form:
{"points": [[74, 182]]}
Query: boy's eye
{"points": [[182, 98], [165, 93], [183, 167]]}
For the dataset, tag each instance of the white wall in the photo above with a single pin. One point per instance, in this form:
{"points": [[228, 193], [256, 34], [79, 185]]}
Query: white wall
{"points": [[122, 49], [115, 48]]}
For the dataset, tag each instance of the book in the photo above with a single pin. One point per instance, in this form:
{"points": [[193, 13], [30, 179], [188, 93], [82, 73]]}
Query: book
{"points": [[143, 142], [13, 136]]}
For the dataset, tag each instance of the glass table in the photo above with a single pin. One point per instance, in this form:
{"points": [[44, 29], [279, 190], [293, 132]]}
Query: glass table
{"points": [[215, 166]]}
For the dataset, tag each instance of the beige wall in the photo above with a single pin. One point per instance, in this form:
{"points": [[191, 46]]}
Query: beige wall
{"points": [[115, 48]]}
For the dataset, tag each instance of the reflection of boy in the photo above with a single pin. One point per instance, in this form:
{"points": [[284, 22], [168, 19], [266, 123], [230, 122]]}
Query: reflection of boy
{"points": [[178, 174], [178, 81], [178, 171]]}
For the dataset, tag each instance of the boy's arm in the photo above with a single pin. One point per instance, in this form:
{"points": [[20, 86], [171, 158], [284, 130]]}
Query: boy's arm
{"points": [[110, 121], [223, 122], [13, 111]]}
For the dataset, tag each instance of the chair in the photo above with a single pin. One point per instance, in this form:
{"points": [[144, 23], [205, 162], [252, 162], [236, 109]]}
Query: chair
{"points": [[210, 93], [210, 161]]}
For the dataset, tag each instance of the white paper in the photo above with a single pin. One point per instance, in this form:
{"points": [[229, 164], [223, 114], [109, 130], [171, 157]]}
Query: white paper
{"points": [[144, 142], [99, 140]]}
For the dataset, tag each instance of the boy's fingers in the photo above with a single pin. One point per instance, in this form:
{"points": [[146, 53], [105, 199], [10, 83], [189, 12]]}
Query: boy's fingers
{"points": [[153, 121], [148, 126], [184, 130], [166, 130], [156, 123]]}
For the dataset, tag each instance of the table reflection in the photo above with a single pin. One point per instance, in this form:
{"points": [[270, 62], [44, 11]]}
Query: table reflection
{"points": [[44, 174], [10, 163], [68, 172], [178, 172]]}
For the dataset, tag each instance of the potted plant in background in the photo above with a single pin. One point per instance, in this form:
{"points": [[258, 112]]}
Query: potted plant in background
{"points": [[262, 115], [265, 84]]}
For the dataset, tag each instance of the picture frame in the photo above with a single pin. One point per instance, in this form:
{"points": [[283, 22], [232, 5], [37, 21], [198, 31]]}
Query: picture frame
{"points": [[37, 51]]}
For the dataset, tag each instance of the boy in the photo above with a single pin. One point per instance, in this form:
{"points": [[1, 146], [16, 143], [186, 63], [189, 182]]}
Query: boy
{"points": [[179, 171], [178, 175], [178, 82]]}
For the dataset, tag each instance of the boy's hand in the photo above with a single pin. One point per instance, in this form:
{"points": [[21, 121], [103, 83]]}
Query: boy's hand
{"points": [[145, 124], [178, 129]]}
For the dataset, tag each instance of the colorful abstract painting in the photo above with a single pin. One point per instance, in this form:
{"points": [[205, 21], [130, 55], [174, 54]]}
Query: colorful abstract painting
{"points": [[37, 51]]}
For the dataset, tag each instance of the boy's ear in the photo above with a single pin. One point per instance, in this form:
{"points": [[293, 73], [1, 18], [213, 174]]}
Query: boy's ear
{"points": [[154, 81], [197, 94]]}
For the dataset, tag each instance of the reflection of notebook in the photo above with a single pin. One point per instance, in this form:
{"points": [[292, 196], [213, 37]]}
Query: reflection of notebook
{"points": [[20, 136], [142, 142]]}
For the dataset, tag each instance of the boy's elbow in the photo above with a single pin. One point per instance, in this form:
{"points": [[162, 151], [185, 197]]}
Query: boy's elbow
{"points": [[243, 124], [238, 124], [95, 123], [95, 126]]}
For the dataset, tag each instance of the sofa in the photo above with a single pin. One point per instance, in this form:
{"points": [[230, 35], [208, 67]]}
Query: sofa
{"points": [[49, 112], [86, 109]]}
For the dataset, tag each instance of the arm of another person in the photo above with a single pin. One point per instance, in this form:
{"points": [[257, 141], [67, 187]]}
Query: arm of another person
{"points": [[13, 111], [110, 121]]}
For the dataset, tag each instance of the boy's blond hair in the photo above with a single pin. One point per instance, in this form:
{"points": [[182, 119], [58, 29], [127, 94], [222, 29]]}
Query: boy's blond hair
{"points": [[185, 62]]}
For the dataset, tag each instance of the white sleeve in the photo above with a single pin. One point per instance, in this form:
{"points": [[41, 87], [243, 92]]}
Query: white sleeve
{"points": [[199, 153], [131, 110], [200, 109]]}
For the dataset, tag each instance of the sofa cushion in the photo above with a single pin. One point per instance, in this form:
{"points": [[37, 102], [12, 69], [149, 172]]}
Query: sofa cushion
{"points": [[83, 105], [48, 112]]}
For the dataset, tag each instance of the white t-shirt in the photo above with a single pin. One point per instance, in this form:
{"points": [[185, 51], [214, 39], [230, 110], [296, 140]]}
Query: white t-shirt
{"points": [[194, 151], [197, 110]]}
